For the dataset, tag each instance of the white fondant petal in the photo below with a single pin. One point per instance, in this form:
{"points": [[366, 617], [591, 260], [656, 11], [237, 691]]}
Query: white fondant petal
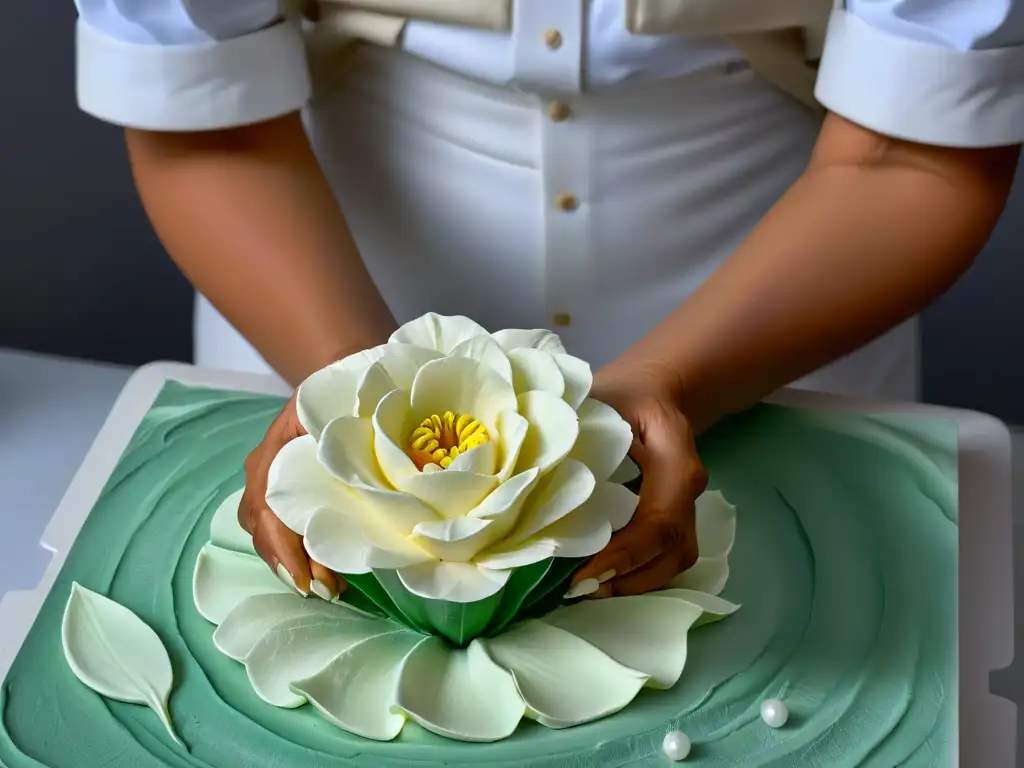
{"points": [[401, 361], [604, 439], [504, 506], [645, 633], [225, 531], [502, 559], [346, 452], [485, 350], [392, 427], [355, 543], [564, 680], [613, 503], [252, 618], [456, 540], [450, 493], [301, 647], [479, 460], [356, 691], [326, 395], [512, 429], [535, 369], [553, 430], [564, 489], [516, 338], [298, 485], [222, 579], [440, 332], [374, 383], [458, 693], [578, 378], [708, 575], [716, 524], [713, 608], [464, 386], [454, 582], [626, 472]]}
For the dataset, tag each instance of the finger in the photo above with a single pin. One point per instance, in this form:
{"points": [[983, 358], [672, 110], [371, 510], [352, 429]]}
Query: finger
{"points": [[655, 575], [631, 548], [283, 546], [673, 473], [326, 584]]}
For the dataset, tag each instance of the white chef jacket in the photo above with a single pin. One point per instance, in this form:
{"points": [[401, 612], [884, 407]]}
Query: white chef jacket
{"points": [[929, 70]]}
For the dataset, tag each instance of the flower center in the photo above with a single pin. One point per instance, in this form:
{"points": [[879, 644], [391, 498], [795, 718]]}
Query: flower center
{"points": [[441, 439]]}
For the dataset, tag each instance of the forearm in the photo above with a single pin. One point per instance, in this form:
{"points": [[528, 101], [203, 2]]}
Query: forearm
{"points": [[249, 217], [871, 234]]}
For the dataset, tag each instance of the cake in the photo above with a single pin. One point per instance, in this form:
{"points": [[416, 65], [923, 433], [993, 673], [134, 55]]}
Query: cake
{"points": [[826, 590]]}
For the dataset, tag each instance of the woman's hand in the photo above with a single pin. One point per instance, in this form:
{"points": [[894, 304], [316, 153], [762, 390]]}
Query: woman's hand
{"points": [[660, 541], [274, 541]]}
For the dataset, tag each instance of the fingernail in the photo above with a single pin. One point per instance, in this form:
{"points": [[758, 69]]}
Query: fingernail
{"points": [[321, 590], [584, 587], [286, 577], [606, 576], [603, 591]]}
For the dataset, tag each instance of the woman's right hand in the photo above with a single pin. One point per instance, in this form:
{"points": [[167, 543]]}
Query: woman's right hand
{"points": [[273, 540]]}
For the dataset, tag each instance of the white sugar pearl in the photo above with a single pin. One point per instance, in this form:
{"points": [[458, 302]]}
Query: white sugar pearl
{"points": [[774, 713], [676, 745]]}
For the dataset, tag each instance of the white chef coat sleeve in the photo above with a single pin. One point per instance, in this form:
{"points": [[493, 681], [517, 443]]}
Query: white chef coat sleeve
{"points": [[188, 65], [931, 71]]}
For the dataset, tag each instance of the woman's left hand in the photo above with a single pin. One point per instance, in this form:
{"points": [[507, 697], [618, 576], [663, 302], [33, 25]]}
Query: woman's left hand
{"points": [[660, 541]]}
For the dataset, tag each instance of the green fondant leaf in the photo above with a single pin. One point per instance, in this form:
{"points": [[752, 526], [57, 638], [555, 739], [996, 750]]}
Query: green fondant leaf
{"points": [[516, 592], [550, 592], [364, 587], [461, 622], [407, 605]]}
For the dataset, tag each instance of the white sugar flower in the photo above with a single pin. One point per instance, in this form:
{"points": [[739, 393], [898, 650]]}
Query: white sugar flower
{"points": [[452, 457]]}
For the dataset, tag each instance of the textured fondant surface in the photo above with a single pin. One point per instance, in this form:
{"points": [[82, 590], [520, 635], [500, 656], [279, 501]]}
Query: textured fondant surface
{"points": [[845, 564]]}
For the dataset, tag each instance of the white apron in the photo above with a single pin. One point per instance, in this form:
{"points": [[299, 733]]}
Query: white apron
{"points": [[594, 215]]}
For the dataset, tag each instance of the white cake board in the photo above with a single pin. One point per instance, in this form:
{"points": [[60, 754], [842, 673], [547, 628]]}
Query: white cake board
{"points": [[987, 734]]}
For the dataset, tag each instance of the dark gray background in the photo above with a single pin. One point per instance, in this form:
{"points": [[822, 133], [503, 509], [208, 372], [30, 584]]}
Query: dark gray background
{"points": [[81, 274]]}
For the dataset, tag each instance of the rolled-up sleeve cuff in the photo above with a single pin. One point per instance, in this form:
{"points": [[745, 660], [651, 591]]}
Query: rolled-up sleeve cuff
{"points": [[220, 84], [921, 92]]}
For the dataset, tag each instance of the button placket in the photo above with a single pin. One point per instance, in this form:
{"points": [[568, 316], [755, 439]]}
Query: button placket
{"points": [[548, 37]]}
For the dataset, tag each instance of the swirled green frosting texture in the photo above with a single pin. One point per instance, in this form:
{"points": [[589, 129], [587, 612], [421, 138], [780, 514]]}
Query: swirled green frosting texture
{"points": [[845, 564]]}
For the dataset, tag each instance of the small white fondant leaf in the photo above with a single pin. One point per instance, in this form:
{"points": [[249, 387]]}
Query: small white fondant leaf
{"points": [[708, 575], [458, 693], [301, 647], [356, 691], [252, 618], [713, 608], [564, 680], [114, 652], [646, 632], [225, 532], [222, 579]]}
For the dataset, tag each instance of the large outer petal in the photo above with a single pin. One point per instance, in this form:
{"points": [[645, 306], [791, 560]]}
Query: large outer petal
{"points": [[225, 532], [356, 691], [604, 439], [516, 338], [358, 542], [222, 579], [459, 694], [252, 618], [535, 369], [646, 633], [564, 680], [553, 430], [454, 582], [464, 386], [564, 489], [298, 485], [439, 332], [326, 395], [485, 350], [301, 647], [716, 531]]}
